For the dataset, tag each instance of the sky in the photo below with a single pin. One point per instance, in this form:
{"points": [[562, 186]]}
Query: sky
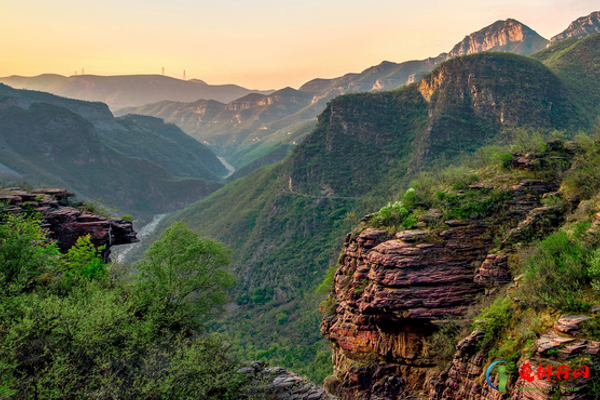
{"points": [[258, 44]]}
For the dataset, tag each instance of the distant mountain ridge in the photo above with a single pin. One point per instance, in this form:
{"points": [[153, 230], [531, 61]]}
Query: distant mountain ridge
{"points": [[139, 164], [250, 127], [580, 28], [128, 90]]}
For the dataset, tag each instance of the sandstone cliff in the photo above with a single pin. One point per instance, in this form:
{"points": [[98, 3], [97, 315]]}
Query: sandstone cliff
{"points": [[394, 289], [66, 224]]}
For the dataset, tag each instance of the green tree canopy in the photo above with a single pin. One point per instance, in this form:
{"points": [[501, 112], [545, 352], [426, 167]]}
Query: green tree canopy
{"points": [[24, 250], [183, 278]]}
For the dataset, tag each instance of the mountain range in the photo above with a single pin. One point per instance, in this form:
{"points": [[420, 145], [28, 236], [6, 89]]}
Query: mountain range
{"points": [[128, 90], [138, 164], [243, 126], [247, 128], [286, 222]]}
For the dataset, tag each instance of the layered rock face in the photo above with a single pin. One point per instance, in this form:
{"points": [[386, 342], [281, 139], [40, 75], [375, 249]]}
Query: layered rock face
{"points": [[390, 291], [66, 224], [561, 345], [580, 28], [281, 384], [509, 35], [393, 291]]}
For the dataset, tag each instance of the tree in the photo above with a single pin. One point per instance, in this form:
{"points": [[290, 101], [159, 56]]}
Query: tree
{"points": [[85, 260], [24, 249], [183, 278]]}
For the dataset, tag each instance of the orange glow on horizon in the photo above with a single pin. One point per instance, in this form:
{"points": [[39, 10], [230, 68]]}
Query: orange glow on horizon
{"points": [[265, 44]]}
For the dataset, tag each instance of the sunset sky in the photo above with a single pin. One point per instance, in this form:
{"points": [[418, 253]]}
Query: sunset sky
{"points": [[259, 44]]}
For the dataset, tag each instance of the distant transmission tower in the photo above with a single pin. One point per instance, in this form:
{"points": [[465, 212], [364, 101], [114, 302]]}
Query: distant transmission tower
{"points": [[163, 69], [184, 74]]}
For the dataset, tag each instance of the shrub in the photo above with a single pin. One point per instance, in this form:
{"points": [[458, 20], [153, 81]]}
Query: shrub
{"points": [[24, 250], [493, 320], [84, 260], [126, 217], [557, 273]]}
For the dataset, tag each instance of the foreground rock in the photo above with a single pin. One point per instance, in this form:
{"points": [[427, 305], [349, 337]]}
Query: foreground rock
{"points": [[66, 224], [276, 383]]}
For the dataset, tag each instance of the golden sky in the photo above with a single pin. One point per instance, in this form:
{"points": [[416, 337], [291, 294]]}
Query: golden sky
{"points": [[259, 44]]}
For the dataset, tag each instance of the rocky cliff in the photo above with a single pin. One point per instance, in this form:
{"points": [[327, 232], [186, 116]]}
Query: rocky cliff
{"points": [[247, 127], [66, 224], [394, 289], [580, 28], [509, 35]]}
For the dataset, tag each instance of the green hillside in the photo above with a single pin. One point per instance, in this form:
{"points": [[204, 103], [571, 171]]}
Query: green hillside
{"points": [[139, 165], [577, 63], [285, 222]]}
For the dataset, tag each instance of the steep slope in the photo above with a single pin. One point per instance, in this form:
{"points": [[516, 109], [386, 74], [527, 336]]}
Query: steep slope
{"points": [[284, 221], [50, 140], [250, 127], [239, 126], [580, 28], [128, 90], [411, 278], [577, 62], [165, 145]]}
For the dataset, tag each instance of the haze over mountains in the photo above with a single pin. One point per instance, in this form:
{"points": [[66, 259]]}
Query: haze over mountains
{"points": [[244, 126], [128, 90], [139, 164], [254, 125], [285, 222]]}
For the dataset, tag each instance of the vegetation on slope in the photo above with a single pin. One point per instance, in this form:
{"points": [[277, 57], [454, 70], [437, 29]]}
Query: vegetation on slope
{"points": [[139, 165], [556, 265], [285, 222], [72, 328], [577, 63]]}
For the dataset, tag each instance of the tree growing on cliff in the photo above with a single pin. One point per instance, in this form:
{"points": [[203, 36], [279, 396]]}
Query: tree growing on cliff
{"points": [[183, 279]]}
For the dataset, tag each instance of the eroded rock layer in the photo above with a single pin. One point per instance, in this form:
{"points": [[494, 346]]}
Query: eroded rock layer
{"points": [[66, 224], [393, 291]]}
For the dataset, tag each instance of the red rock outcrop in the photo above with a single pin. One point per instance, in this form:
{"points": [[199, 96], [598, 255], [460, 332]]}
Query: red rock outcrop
{"points": [[66, 224], [559, 347], [393, 291], [390, 292]]}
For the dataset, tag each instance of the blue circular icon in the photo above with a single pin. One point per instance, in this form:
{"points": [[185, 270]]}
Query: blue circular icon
{"points": [[487, 373]]}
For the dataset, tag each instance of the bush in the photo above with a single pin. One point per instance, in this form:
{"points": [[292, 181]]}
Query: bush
{"points": [[493, 320], [84, 260], [126, 217], [92, 338], [557, 273]]}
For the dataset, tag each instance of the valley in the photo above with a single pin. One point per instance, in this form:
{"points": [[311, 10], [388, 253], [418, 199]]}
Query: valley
{"points": [[390, 233]]}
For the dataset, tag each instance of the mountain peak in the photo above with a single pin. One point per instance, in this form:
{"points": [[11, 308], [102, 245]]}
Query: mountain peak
{"points": [[579, 28], [509, 36]]}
